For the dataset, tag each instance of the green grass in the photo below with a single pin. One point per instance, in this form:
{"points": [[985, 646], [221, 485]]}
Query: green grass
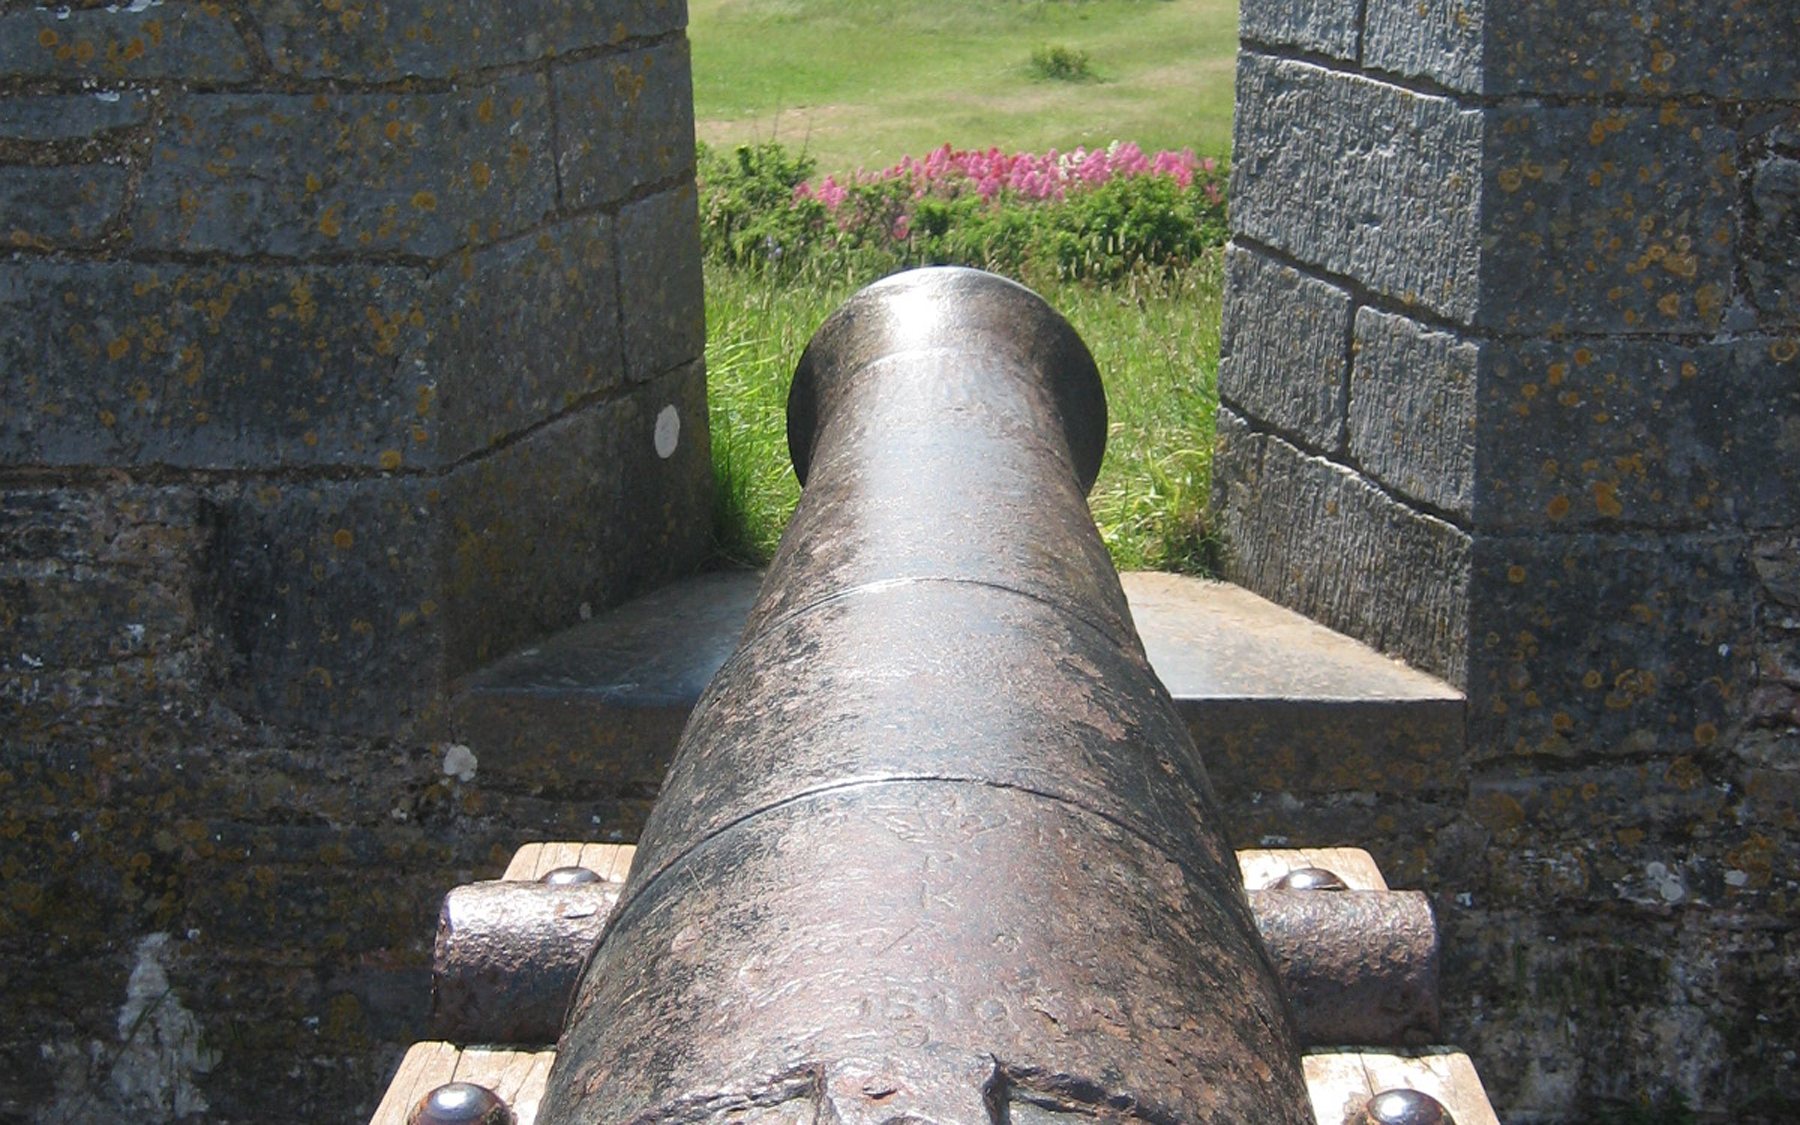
{"points": [[861, 83], [1155, 340]]}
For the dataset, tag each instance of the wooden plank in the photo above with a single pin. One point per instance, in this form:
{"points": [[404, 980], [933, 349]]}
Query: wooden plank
{"points": [[531, 862], [518, 1077], [523, 868], [611, 862], [1337, 1084], [1262, 866], [1340, 1083], [425, 1067], [1446, 1075], [531, 1087], [560, 853]]}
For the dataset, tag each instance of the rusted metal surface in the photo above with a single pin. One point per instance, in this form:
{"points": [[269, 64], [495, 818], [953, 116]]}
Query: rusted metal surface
{"points": [[935, 846], [508, 955], [1355, 966]]}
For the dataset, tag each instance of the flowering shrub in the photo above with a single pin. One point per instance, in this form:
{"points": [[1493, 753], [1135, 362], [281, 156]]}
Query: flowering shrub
{"points": [[949, 172], [1090, 214]]}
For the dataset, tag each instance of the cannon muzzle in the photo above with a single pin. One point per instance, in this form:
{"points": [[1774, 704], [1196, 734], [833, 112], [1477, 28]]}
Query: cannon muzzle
{"points": [[935, 845]]}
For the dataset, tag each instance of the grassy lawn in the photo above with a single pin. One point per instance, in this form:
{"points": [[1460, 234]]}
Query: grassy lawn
{"points": [[861, 83]]}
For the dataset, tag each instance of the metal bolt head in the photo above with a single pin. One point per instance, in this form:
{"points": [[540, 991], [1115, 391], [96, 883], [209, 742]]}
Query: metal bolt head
{"points": [[1309, 879], [461, 1103], [569, 876], [1403, 1107]]}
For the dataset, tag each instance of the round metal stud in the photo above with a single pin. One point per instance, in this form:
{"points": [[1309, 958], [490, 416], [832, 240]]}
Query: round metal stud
{"points": [[461, 1103], [1403, 1107], [1309, 879], [569, 876]]}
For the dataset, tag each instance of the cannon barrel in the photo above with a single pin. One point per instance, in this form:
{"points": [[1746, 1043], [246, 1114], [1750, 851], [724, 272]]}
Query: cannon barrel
{"points": [[935, 845]]}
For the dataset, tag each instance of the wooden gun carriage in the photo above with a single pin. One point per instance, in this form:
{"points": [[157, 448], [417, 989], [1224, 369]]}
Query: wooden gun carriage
{"points": [[935, 846]]}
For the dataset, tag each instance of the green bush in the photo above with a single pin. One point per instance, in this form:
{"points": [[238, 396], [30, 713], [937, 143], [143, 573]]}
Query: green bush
{"points": [[755, 216], [749, 215], [1061, 64]]}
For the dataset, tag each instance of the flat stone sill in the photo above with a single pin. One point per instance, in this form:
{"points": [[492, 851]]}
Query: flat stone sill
{"points": [[1277, 703]]}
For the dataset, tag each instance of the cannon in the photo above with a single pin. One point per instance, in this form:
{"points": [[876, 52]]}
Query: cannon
{"points": [[935, 846]]}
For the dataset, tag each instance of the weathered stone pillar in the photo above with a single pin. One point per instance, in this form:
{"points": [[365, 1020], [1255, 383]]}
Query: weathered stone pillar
{"points": [[398, 304], [348, 345], [1511, 389]]}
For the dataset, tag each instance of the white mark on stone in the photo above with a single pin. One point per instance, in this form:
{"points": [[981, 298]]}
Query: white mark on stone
{"points": [[586, 611], [106, 95], [668, 432], [1667, 883], [459, 762], [1465, 899], [30, 661], [1724, 650], [148, 1075], [1737, 878]]}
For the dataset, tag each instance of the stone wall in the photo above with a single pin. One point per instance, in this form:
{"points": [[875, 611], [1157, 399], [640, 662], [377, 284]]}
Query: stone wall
{"points": [[349, 344], [1511, 389]]}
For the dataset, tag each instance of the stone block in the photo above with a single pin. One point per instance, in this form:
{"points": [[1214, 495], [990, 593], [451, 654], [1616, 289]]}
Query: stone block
{"points": [[1587, 647], [91, 579], [1328, 27], [1608, 813], [520, 333], [215, 366], [70, 117], [1413, 410], [347, 605], [624, 121], [1519, 219], [1606, 219], [1362, 178], [1317, 538], [329, 611], [1284, 351], [1436, 40], [1777, 562], [660, 284], [267, 365], [571, 25], [1609, 48], [584, 512], [180, 40], [1638, 432], [390, 40], [1772, 246], [57, 206], [307, 175]]}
